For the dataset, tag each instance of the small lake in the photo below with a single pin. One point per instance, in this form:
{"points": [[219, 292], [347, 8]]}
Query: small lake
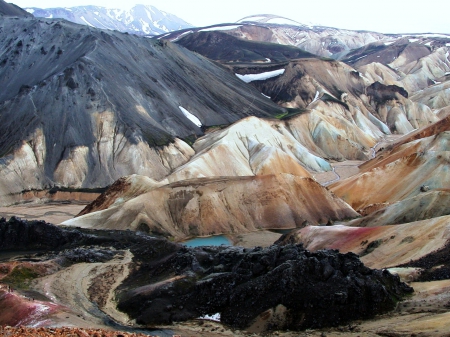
{"points": [[215, 240]]}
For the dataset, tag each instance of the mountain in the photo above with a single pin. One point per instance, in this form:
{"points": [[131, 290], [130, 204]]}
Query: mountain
{"points": [[139, 20], [209, 206], [94, 105]]}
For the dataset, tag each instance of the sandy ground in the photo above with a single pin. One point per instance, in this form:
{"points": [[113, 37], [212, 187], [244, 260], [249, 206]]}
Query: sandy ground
{"points": [[51, 212], [253, 239], [341, 170], [348, 168]]}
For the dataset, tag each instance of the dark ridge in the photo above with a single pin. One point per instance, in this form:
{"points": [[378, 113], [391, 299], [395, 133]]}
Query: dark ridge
{"points": [[9, 9], [381, 93], [225, 48]]}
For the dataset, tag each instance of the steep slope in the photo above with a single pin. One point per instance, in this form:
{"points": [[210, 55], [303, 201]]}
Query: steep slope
{"points": [[210, 206], [100, 104], [140, 20], [9, 9]]}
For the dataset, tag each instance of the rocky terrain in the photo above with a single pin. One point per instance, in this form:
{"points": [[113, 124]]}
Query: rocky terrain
{"points": [[163, 282]]}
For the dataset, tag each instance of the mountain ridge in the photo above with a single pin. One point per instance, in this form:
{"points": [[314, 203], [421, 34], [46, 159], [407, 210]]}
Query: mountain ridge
{"points": [[140, 19]]}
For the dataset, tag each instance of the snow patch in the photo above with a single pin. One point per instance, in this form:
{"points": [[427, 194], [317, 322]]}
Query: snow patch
{"points": [[49, 17], [191, 117], [315, 97], [447, 44], [430, 35], [388, 43], [82, 18], [181, 35], [428, 44], [265, 96], [283, 21], [268, 60], [211, 29], [260, 77], [214, 317], [413, 40], [30, 10]]}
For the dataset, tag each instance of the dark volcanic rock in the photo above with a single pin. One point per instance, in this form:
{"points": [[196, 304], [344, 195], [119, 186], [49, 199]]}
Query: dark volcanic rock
{"points": [[223, 47], [436, 265], [17, 234], [311, 290], [381, 93], [76, 244]]}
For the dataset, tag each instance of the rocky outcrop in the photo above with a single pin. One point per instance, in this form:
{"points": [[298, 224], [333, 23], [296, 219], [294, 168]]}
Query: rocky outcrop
{"points": [[209, 206], [260, 289], [393, 107]]}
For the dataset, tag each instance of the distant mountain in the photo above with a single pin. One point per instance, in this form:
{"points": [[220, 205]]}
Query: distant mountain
{"points": [[319, 40], [140, 20], [7, 9]]}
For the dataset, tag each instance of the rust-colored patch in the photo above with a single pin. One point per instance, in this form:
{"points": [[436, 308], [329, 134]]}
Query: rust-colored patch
{"points": [[372, 208], [107, 198]]}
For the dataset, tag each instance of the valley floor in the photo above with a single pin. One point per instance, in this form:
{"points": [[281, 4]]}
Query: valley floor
{"points": [[52, 212]]}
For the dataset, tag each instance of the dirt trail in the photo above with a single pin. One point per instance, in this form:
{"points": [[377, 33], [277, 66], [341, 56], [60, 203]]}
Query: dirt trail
{"points": [[88, 289]]}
